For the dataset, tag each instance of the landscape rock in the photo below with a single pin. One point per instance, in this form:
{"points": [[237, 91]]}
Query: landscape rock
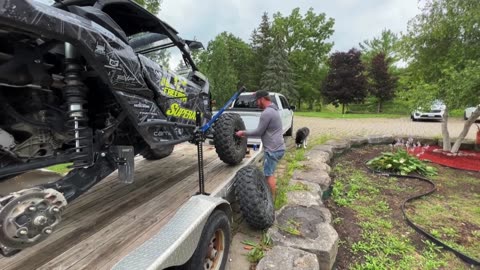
{"points": [[380, 139], [315, 176], [357, 141], [322, 148], [313, 164], [339, 146], [287, 258], [311, 196], [306, 228]]}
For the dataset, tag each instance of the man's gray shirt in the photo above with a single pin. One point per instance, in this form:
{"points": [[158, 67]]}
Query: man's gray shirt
{"points": [[269, 129]]}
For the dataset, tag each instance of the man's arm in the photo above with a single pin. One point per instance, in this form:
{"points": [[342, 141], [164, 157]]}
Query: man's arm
{"points": [[265, 119]]}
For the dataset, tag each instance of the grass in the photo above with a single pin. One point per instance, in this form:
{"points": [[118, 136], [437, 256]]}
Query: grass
{"points": [[292, 227], [60, 168], [382, 244], [257, 250], [291, 161], [335, 115]]}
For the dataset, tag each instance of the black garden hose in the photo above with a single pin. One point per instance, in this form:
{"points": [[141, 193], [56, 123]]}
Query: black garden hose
{"points": [[419, 229]]}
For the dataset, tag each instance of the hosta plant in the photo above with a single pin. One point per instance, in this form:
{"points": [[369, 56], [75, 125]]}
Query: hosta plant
{"points": [[401, 162]]}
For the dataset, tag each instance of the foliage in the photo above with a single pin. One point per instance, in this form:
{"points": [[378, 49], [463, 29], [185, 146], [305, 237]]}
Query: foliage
{"points": [[292, 227], [151, 5], [384, 243], [307, 48], [62, 169], [382, 85], [225, 63], [278, 76], [386, 44], [261, 45], [258, 249], [401, 162], [345, 82], [442, 50], [336, 115]]}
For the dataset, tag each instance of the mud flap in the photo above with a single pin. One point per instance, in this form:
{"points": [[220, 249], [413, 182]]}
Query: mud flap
{"points": [[124, 158]]}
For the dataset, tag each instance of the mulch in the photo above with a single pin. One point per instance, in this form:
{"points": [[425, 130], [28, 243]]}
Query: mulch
{"points": [[464, 159]]}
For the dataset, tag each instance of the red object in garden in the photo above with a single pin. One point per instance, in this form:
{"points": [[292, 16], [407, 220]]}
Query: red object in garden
{"points": [[464, 159], [478, 137]]}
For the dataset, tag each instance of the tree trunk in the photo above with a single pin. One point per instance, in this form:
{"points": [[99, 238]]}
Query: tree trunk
{"points": [[299, 103], [343, 108], [446, 136], [310, 105], [379, 107], [465, 130]]}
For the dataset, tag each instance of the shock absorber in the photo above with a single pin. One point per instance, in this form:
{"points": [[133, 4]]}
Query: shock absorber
{"points": [[75, 94]]}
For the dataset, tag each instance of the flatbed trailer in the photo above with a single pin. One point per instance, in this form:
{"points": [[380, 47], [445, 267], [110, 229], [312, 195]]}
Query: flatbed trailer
{"points": [[114, 221]]}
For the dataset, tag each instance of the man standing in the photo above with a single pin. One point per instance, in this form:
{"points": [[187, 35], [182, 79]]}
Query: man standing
{"points": [[271, 132]]}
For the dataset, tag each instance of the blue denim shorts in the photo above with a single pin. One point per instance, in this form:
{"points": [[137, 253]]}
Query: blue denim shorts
{"points": [[271, 160]]}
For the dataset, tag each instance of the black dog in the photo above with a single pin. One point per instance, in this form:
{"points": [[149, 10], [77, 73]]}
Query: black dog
{"points": [[301, 137]]}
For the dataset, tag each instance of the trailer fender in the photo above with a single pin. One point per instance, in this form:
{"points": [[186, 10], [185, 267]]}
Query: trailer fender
{"points": [[176, 242]]}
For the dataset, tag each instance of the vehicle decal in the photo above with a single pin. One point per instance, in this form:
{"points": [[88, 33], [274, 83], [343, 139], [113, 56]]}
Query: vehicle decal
{"points": [[177, 111], [174, 87]]}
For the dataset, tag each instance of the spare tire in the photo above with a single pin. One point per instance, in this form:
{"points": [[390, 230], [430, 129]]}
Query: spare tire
{"points": [[254, 197], [157, 153], [230, 148]]}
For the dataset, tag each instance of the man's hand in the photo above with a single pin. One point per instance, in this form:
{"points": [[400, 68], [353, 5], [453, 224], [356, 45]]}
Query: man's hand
{"points": [[240, 133]]}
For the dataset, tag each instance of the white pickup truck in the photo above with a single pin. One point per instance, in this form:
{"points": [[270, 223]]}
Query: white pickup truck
{"points": [[246, 107]]}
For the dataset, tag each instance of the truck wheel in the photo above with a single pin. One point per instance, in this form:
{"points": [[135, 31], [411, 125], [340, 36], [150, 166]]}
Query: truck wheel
{"points": [[230, 148], [254, 197], [212, 250], [158, 153]]}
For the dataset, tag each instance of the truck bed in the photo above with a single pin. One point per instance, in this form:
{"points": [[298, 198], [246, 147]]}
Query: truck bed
{"points": [[110, 220]]}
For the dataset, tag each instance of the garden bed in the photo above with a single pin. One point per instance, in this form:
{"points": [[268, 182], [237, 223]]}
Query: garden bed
{"points": [[367, 216]]}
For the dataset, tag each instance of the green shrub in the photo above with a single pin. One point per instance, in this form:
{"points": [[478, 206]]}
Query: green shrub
{"points": [[402, 163]]}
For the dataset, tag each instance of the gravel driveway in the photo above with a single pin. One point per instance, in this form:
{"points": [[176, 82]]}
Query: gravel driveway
{"points": [[398, 126]]}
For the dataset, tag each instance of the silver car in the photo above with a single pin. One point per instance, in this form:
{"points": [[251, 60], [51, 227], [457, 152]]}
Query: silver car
{"points": [[435, 113]]}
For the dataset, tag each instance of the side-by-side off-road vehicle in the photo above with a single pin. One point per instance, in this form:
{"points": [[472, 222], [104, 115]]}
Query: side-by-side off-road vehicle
{"points": [[81, 83]]}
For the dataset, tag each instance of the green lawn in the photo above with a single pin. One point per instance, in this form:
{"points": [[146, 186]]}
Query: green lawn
{"points": [[347, 116]]}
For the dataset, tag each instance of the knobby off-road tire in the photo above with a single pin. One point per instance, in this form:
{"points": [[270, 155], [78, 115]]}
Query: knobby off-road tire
{"points": [[155, 154], [254, 197], [212, 249], [230, 148]]}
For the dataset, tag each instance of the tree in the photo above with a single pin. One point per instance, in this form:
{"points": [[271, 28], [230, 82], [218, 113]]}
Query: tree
{"points": [[443, 52], [382, 84], [225, 62], [277, 76], [307, 49], [261, 46], [387, 44], [151, 5], [345, 82]]}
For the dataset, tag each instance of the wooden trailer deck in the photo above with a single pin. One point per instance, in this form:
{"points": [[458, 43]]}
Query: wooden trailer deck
{"points": [[110, 220]]}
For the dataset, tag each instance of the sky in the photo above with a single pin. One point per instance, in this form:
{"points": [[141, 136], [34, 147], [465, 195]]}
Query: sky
{"points": [[355, 20]]}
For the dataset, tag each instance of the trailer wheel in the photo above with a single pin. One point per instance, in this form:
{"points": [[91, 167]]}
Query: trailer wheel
{"points": [[212, 250], [158, 153], [230, 148], [254, 197]]}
